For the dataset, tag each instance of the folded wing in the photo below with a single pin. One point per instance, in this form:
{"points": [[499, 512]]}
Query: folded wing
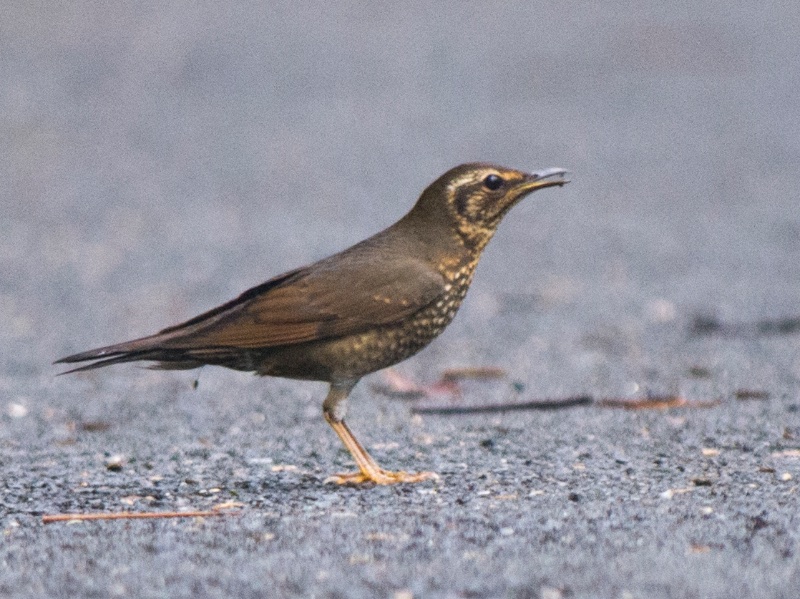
{"points": [[330, 299]]}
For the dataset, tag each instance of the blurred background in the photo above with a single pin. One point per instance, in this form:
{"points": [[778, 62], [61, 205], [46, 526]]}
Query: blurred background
{"points": [[158, 159]]}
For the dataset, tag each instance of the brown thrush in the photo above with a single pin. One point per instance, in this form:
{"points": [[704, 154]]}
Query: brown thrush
{"points": [[358, 311]]}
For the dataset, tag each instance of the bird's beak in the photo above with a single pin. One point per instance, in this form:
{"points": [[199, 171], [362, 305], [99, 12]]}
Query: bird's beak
{"points": [[539, 180]]}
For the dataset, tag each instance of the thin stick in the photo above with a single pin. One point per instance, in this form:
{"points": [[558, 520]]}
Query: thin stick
{"points": [[655, 403], [473, 372], [132, 516], [569, 402], [648, 403]]}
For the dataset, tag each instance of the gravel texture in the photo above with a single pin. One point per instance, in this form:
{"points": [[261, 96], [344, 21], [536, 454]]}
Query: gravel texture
{"points": [[160, 158]]}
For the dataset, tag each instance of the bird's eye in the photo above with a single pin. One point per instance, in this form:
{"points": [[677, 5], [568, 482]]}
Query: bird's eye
{"points": [[493, 182]]}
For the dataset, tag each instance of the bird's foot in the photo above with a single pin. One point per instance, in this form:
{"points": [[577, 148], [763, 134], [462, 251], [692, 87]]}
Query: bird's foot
{"points": [[380, 477]]}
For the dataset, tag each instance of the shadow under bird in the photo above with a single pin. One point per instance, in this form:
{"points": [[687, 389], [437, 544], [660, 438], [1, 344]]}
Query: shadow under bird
{"points": [[358, 311]]}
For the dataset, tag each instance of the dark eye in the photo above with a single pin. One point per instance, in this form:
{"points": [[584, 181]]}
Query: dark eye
{"points": [[493, 182]]}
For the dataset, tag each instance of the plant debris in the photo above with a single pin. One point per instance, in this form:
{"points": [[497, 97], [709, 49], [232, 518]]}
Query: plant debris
{"points": [[745, 394], [656, 402], [399, 385], [647, 403], [476, 373], [710, 325], [51, 518], [94, 426], [541, 404]]}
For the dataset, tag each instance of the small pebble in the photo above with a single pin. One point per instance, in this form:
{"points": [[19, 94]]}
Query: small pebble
{"points": [[115, 463], [551, 593], [17, 410]]}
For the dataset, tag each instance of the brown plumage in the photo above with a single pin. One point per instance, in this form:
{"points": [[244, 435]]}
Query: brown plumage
{"points": [[363, 309]]}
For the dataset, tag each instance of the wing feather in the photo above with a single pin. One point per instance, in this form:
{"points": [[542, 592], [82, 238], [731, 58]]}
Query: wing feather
{"points": [[325, 301]]}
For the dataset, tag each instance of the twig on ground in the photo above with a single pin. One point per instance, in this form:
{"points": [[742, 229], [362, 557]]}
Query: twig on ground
{"points": [[710, 325], [48, 519], [569, 402], [647, 403], [479, 373], [657, 402]]}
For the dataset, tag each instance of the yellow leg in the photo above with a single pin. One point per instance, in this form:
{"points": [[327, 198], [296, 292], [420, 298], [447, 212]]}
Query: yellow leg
{"points": [[368, 469]]}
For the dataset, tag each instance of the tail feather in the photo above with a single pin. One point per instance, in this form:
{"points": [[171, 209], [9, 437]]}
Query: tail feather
{"points": [[150, 349], [109, 351], [132, 357], [145, 348]]}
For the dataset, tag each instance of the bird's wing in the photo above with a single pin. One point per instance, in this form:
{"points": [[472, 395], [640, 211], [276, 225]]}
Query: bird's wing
{"points": [[328, 300]]}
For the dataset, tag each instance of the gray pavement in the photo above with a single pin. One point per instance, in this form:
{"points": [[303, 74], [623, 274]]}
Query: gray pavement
{"points": [[158, 159]]}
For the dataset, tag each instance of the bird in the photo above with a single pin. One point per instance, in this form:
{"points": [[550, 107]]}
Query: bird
{"points": [[363, 309]]}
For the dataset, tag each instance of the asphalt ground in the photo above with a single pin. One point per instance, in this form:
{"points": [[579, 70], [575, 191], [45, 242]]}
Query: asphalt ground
{"points": [[158, 159]]}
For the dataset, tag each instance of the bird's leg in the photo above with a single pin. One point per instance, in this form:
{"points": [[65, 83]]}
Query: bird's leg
{"points": [[334, 408]]}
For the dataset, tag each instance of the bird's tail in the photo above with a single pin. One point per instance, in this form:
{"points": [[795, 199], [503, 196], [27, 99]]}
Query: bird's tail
{"points": [[146, 348]]}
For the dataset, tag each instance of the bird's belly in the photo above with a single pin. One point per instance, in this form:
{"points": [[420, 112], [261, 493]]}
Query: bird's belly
{"points": [[356, 355]]}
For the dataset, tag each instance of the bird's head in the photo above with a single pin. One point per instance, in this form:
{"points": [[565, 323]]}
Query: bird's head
{"points": [[473, 198]]}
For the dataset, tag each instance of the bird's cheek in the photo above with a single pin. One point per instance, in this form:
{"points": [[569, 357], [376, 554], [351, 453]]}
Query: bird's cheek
{"points": [[479, 212]]}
